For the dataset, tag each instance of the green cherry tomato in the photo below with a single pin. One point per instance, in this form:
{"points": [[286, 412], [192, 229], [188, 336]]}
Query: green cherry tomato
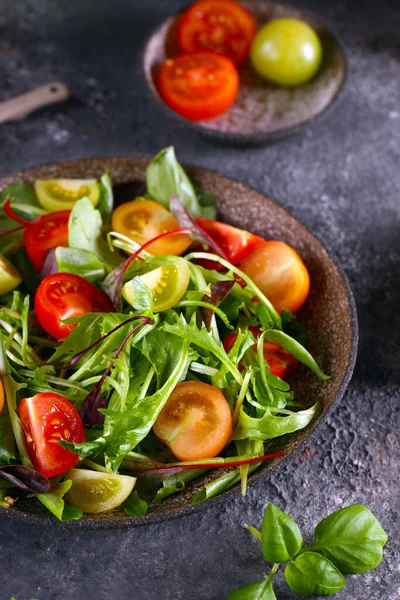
{"points": [[9, 276], [61, 194], [287, 52], [95, 492]]}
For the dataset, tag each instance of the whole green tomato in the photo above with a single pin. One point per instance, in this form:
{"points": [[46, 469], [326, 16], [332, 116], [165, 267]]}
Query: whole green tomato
{"points": [[287, 52]]}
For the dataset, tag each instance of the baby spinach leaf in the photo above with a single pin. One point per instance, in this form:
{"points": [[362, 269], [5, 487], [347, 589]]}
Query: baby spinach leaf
{"points": [[351, 538], [53, 501], [165, 176], [262, 590], [80, 262], [313, 574], [296, 349], [134, 506], [280, 537], [270, 426], [106, 202]]}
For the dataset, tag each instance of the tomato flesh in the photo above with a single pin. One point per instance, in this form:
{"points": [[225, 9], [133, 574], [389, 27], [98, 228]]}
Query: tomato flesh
{"points": [[58, 194], [198, 86], [236, 243], [195, 422], [142, 220], [222, 26], [9, 276], [64, 295], [2, 396], [279, 272], [46, 419], [48, 231]]}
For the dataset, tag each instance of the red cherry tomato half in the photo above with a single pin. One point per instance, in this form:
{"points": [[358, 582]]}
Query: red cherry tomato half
{"points": [[198, 86], [63, 295], [46, 419], [235, 242], [280, 362], [221, 26], [48, 231]]}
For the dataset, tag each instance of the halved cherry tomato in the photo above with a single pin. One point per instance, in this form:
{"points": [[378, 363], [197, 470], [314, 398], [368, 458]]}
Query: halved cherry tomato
{"points": [[221, 26], [9, 276], [280, 274], [63, 295], [196, 421], [58, 194], [46, 232], [46, 419], [142, 220], [198, 86], [279, 361], [2, 397], [235, 242]]}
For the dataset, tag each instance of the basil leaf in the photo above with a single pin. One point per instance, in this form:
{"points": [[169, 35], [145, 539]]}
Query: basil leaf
{"points": [[53, 500], [270, 426], [165, 176], [134, 506], [106, 202], [262, 590], [280, 537], [80, 262], [352, 538], [296, 349], [313, 574]]}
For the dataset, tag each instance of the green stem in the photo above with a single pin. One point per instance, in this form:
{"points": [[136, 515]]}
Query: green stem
{"points": [[254, 531], [272, 572]]}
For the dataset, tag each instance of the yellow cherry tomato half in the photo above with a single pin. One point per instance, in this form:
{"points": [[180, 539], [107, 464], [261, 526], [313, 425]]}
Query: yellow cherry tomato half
{"points": [[196, 421], [61, 194], [95, 492], [280, 274], [143, 219], [9, 276], [167, 284]]}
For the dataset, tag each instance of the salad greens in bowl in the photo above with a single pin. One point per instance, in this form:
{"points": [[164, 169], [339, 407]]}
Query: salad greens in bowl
{"points": [[165, 335]]}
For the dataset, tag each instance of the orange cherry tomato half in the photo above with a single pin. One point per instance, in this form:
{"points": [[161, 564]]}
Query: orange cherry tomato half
{"points": [[142, 220], [280, 274], [221, 26], [64, 295], [46, 419], [198, 86], [2, 396], [235, 242], [46, 232], [196, 421], [279, 361]]}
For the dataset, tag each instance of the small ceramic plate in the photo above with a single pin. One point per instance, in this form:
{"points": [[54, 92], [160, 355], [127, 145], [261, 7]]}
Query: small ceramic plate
{"points": [[329, 315], [262, 111]]}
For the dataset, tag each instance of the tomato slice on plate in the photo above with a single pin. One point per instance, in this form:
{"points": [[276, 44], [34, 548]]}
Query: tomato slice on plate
{"points": [[46, 419], [198, 86], [279, 272], [195, 422], [46, 232], [167, 284], [221, 26], [142, 220], [64, 295], [235, 242], [58, 194]]}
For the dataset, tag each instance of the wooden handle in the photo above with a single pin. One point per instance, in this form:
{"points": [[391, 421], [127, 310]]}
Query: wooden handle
{"points": [[21, 106]]}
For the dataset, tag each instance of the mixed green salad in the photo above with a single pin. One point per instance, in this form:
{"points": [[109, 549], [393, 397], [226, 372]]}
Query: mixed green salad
{"points": [[141, 345]]}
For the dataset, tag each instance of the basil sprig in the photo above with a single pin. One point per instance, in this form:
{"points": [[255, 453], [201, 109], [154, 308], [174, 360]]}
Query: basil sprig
{"points": [[349, 540]]}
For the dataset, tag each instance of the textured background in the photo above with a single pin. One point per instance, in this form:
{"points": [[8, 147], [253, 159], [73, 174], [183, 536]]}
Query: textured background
{"points": [[341, 178]]}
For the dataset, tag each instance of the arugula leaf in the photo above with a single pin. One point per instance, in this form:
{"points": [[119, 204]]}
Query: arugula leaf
{"points": [[165, 176], [313, 574], [351, 538], [80, 262], [280, 537], [270, 426], [134, 506], [85, 232], [106, 202], [53, 501], [262, 590]]}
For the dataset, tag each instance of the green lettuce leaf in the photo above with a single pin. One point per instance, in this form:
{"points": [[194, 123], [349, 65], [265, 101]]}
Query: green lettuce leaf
{"points": [[81, 262], [271, 426], [54, 502]]}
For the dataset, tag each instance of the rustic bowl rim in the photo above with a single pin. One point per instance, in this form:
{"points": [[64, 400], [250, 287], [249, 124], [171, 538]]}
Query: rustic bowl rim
{"points": [[133, 522]]}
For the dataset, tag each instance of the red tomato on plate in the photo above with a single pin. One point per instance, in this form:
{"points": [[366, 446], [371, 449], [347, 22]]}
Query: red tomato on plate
{"points": [[46, 232], [64, 295], [47, 418], [198, 86], [221, 26]]}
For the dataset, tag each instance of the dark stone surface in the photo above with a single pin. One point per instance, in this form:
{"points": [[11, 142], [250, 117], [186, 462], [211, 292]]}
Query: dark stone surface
{"points": [[341, 178]]}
